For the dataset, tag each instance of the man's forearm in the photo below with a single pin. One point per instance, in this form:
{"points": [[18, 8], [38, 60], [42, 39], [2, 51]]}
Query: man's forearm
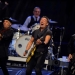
{"points": [[29, 45]]}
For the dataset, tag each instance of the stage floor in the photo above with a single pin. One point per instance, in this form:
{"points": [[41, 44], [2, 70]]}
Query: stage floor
{"points": [[21, 71]]}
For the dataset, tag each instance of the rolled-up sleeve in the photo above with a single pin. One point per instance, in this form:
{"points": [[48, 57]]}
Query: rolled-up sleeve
{"points": [[27, 21]]}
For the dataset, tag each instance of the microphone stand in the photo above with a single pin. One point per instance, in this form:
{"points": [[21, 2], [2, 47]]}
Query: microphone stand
{"points": [[61, 37]]}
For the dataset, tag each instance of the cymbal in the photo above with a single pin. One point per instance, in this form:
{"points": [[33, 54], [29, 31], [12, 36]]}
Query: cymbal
{"points": [[16, 26], [23, 28], [14, 21], [52, 21]]}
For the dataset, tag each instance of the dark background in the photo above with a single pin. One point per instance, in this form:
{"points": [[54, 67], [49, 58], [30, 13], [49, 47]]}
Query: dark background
{"points": [[61, 11]]}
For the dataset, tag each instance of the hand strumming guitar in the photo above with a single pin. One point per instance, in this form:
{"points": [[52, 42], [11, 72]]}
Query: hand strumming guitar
{"points": [[38, 42]]}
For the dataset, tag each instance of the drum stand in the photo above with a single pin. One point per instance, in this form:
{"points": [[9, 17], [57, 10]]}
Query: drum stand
{"points": [[18, 33]]}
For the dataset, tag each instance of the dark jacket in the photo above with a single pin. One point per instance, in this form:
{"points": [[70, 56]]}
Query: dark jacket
{"points": [[71, 45], [5, 41]]}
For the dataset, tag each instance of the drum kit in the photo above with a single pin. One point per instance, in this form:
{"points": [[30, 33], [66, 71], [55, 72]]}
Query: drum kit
{"points": [[20, 39]]}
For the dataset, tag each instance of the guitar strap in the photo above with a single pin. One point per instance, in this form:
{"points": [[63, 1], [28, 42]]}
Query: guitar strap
{"points": [[42, 33]]}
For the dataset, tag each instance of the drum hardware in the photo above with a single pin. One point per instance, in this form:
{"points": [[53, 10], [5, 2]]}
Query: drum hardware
{"points": [[50, 57], [12, 53], [52, 41], [28, 32], [50, 50], [64, 63], [50, 53], [18, 33]]}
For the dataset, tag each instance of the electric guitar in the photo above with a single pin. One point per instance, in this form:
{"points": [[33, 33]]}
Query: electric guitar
{"points": [[31, 53]]}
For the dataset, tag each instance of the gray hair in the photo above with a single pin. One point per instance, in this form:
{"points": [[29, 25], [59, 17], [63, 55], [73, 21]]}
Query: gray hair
{"points": [[37, 8]]}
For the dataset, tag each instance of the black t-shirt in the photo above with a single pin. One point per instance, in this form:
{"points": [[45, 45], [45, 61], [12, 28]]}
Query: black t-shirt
{"points": [[41, 47]]}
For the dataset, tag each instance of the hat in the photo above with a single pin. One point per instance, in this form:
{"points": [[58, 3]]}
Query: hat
{"points": [[6, 18]]}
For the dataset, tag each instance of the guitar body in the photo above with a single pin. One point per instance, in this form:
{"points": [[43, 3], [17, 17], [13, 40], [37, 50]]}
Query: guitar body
{"points": [[31, 53]]}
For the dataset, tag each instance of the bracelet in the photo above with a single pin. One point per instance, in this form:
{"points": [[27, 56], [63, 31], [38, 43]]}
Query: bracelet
{"points": [[26, 51]]}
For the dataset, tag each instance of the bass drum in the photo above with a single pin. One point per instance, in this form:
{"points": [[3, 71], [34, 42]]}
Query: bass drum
{"points": [[15, 37], [21, 44]]}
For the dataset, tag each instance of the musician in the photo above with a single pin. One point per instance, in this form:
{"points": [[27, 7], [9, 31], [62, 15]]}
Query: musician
{"points": [[35, 18], [71, 57], [6, 34], [38, 58]]}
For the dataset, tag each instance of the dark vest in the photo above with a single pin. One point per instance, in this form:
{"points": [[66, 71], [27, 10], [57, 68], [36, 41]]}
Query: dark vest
{"points": [[32, 22]]}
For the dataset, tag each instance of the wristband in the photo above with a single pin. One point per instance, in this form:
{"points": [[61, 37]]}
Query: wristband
{"points": [[26, 51]]}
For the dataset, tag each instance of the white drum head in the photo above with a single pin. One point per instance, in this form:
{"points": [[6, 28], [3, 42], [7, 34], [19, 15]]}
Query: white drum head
{"points": [[21, 44], [35, 27]]}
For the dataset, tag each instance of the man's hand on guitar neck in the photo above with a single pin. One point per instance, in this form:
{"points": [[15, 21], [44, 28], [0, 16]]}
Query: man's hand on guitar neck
{"points": [[38, 42]]}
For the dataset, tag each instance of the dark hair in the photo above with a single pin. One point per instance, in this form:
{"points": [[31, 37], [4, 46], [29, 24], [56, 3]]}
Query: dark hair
{"points": [[46, 18], [7, 18]]}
